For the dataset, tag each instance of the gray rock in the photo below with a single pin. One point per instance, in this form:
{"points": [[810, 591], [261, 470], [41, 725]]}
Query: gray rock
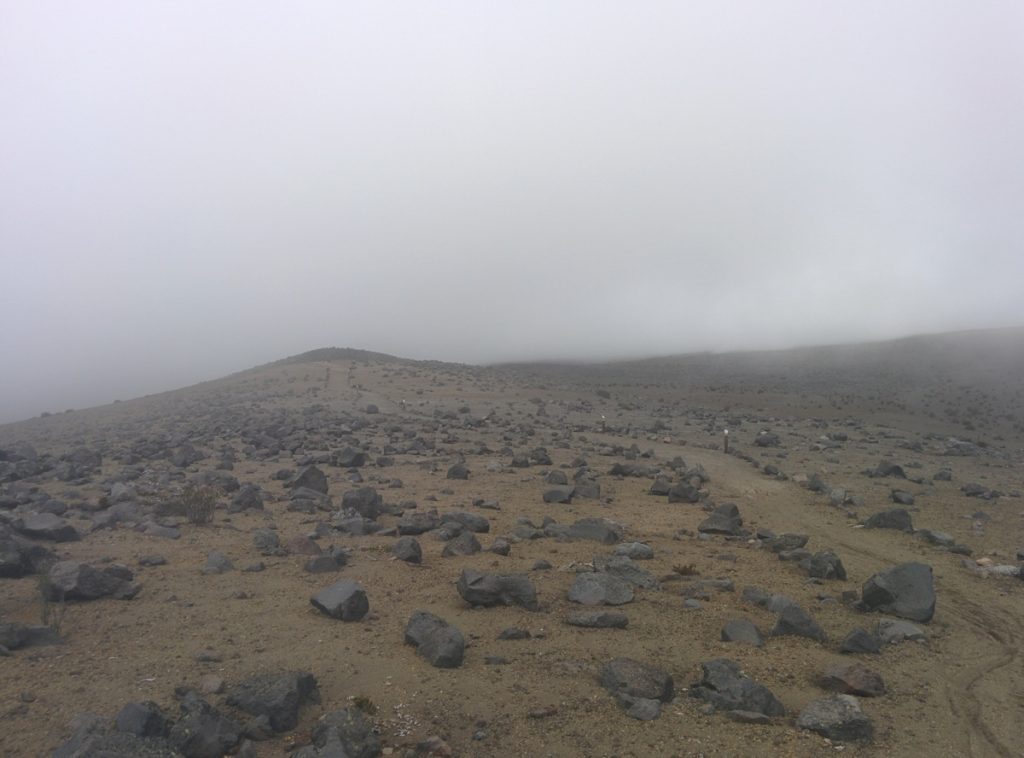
{"points": [[638, 551], [490, 590], [458, 471], [625, 568], [725, 519], [435, 639], [407, 549], [559, 494], [906, 591], [596, 529], [365, 501], [267, 542], [418, 523], [217, 563], [71, 580], [345, 734], [276, 696], [902, 497], [310, 478], [641, 708], [46, 526], [897, 518], [345, 600], [144, 719], [852, 679], [599, 620], [727, 688], [683, 492], [600, 589], [474, 522], [625, 676], [825, 565], [787, 542], [860, 641], [464, 544], [796, 622], [202, 731], [838, 717], [894, 631], [742, 630]]}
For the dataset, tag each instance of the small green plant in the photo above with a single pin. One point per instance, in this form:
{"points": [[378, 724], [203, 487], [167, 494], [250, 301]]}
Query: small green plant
{"points": [[52, 607], [198, 502]]}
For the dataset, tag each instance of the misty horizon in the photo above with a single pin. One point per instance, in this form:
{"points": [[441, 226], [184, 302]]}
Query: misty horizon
{"points": [[193, 190]]}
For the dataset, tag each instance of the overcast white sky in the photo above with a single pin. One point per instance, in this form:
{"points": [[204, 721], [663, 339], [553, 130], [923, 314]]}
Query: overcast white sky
{"points": [[191, 188]]}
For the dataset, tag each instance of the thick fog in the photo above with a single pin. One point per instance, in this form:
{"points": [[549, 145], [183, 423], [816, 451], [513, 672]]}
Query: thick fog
{"points": [[188, 189]]}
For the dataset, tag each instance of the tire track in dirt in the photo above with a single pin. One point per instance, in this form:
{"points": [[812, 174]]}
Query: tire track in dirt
{"points": [[962, 692]]}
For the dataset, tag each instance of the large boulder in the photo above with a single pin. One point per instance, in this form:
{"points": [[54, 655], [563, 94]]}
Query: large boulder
{"points": [[345, 600], [489, 590], [276, 696], [906, 591], [435, 639], [71, 580], [724, 685], [46, 526]]}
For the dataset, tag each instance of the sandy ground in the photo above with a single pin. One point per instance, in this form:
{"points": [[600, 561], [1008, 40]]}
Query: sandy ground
{"points": [[957, 694]]}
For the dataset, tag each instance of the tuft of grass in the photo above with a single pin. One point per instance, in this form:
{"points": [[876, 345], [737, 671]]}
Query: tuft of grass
{"points": [[198, 502], [52, 607], [364, 704]]}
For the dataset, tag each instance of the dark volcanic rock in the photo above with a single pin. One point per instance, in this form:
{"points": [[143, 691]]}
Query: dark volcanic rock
{"points": [[345, 600], [474, 522], [145, 719], [276, 696], [464, 544], [725, 519], [436, 640], [860, 641], [46, 526], [838, 717], [490, 590], [599, 620], [824, 565], [559, 494], [683, 492], [596, 529], [785, 543], [310, 478], [897, 518], [418, 522], [344, 734], [725, 686], [407, 549], [365, 501], [202, 731], [625, 568], [742, 630], [638, 688], [600, 589], [71, 580], [852, 679], [906, 591], [796, 622], [458, 471]]}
